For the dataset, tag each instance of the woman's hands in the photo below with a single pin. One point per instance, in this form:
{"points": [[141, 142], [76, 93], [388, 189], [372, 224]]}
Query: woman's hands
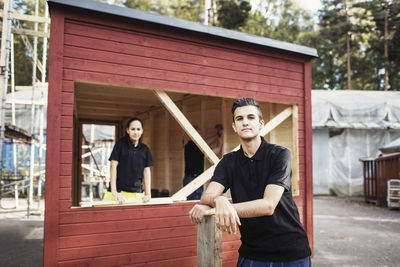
{"points": [[146, 198], [120, 199]]}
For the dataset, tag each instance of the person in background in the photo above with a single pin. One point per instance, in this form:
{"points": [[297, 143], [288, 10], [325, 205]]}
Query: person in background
{"points": [[259, 177], [194, 159], [130, 175]]}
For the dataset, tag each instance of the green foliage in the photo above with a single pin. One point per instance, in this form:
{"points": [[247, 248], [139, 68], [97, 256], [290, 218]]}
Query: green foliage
{"points": [[366, 27], [232, 15], [186, 9], [22, 58], [283, 20]]}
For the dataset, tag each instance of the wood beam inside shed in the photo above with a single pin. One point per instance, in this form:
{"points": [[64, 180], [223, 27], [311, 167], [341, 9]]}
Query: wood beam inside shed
{"points": [[206, 175]]}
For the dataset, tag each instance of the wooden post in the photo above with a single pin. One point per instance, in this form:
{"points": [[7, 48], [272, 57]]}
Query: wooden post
{"points": [[209, 243], [295, 151]]}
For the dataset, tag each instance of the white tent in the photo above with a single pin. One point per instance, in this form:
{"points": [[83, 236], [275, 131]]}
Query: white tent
{"points": [[348, 125]]}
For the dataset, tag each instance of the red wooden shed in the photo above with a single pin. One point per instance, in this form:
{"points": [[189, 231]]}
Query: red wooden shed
{"points": [[109, 63]]}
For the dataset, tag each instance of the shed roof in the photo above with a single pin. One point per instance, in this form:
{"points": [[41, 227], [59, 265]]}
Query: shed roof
{"points": [[356, 109], [186, 25]]}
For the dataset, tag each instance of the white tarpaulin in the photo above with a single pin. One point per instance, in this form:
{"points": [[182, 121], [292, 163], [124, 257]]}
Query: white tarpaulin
{"points": [[349, 125]]}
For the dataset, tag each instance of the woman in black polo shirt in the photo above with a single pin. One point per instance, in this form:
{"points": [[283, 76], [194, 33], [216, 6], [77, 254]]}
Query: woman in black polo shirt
{"points": [[130, 166]]}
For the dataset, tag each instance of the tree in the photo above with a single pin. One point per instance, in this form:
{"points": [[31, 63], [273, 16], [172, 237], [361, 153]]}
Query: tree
{"points": [[22, 57], [385, 40], [231, 14], [334, 48]]}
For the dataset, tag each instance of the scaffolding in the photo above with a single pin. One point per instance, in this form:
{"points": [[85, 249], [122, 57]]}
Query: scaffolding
{"points": [[10, 26]]}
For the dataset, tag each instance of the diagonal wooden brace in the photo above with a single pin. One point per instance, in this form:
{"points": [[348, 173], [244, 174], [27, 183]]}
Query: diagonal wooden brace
{"points": [[206, 175], [186, 125]]}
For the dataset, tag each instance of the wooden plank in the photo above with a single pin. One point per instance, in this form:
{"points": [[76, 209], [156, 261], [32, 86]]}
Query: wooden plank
{"points": [[200, 180], [132, 202], [54, 134], [308, 207], [141, 236], [142, 258], [103, 214], [272, 124], [295, 152], [186, 125], [65, 193], [206, 175], [30, 32], [25, 17], [209, 243], [75, 229], [182, 261], [87, 64], [161, 61], [195, 48], [180, 86]]}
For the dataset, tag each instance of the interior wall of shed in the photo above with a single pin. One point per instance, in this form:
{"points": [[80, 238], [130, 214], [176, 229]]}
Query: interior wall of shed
{"points": [[166, 139]]}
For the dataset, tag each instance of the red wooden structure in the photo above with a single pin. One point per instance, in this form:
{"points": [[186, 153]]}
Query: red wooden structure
{"points": [[98, 44], [377, 172]]}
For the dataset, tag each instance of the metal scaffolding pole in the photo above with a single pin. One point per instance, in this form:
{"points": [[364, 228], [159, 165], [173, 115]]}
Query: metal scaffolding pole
{"points": [[32, 158], [16, 191], [4, 58], [44, 57]]}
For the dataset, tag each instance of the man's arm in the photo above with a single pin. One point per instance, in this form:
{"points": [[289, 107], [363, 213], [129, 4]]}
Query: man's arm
{"points": [[261, 207], [227, 215], [147, 184], [214, 190], [205, 208]]}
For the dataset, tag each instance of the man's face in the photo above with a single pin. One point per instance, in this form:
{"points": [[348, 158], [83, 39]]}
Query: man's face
{"points": [[246, 122]]}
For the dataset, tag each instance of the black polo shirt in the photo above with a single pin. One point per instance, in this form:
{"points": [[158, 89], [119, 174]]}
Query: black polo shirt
{"points": [[194, 159], [131, 163], [281, 236]]}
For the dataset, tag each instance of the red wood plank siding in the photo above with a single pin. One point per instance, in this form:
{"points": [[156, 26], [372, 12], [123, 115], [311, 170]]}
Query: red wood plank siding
{"points": [[106, 49], [51, 221]]}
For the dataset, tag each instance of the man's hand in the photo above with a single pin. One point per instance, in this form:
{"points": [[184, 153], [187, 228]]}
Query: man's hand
{"points": [[197, 213], [120, 199], [226, 217]]}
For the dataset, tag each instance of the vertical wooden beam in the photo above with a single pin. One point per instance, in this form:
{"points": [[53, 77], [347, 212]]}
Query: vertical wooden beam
{"points": [[272, 111], [52, 203], [225, 125], [167, 169], [308, 222], [295, 151], [209, 243]]}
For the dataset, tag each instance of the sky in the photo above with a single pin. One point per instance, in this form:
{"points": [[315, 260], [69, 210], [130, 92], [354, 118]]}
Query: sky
{"points": [[311, 5]]}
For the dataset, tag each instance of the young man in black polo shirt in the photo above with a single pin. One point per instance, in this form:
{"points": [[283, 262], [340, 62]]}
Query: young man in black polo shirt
{"points": [[259, 177]]}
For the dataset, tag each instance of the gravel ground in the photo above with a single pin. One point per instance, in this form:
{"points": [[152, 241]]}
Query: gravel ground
{"points": [[349, 232]]}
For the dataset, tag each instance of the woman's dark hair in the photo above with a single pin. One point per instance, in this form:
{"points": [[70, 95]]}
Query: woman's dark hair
{"points": [[246, 102], [134, 119]]}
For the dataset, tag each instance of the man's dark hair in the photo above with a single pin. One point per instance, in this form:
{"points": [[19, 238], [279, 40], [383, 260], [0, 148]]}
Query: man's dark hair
{"points": [[246, 102], [134, 119]]}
